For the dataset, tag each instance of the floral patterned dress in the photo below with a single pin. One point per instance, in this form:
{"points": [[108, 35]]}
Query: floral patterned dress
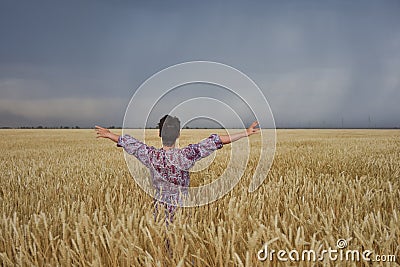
{"points": [[169, 169]]}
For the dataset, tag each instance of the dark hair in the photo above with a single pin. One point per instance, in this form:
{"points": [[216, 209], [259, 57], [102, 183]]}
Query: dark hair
{"points": [[169, 129]]}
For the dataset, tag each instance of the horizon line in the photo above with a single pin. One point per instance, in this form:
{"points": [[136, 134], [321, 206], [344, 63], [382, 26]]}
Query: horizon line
{"points": [[196, 128]]}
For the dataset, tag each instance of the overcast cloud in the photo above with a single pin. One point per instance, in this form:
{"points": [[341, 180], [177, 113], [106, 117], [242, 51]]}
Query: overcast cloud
{"points": [[318, 62]]}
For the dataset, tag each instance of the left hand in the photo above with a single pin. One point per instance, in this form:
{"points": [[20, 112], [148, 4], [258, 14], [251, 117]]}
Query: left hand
{"points": [[102, 132]]}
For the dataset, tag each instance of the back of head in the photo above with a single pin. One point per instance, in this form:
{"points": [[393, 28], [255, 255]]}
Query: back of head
{"points": [[169, 129]]}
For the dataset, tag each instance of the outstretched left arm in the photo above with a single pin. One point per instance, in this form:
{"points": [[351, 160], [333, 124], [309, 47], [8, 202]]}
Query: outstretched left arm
{"points": [[130, 144], [105, 133]]}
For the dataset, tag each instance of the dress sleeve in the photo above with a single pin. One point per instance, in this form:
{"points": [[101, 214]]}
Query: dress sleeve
{"points": [[136, 148], [204, 148]]}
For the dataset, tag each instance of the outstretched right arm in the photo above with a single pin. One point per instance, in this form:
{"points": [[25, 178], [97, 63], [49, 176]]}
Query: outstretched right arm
{"points": [[226, 139], [195, 152]]}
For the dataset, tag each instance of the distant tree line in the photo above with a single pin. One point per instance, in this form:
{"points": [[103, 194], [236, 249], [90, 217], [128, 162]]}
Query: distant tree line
{"points": [[186, 127], [54, 127]]}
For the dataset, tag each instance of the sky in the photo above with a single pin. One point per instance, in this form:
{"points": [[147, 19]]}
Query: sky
{"points": [[318, 63]]}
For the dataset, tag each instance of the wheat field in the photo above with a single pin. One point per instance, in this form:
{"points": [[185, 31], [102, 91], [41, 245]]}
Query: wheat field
{"points": [[68, 199]]}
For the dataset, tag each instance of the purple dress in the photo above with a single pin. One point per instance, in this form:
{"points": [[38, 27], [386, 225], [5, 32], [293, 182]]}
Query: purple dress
{"points": [[169, 169]]}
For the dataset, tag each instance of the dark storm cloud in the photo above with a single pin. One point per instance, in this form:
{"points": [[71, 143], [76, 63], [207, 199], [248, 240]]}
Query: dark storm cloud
{"points": [[79, 62]]}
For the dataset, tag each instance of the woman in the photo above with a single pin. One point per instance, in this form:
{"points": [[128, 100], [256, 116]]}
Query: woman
{"points": [[169, 166]]}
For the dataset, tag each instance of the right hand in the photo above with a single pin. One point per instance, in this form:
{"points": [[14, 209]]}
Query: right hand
{"points": [[252, 129]]}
